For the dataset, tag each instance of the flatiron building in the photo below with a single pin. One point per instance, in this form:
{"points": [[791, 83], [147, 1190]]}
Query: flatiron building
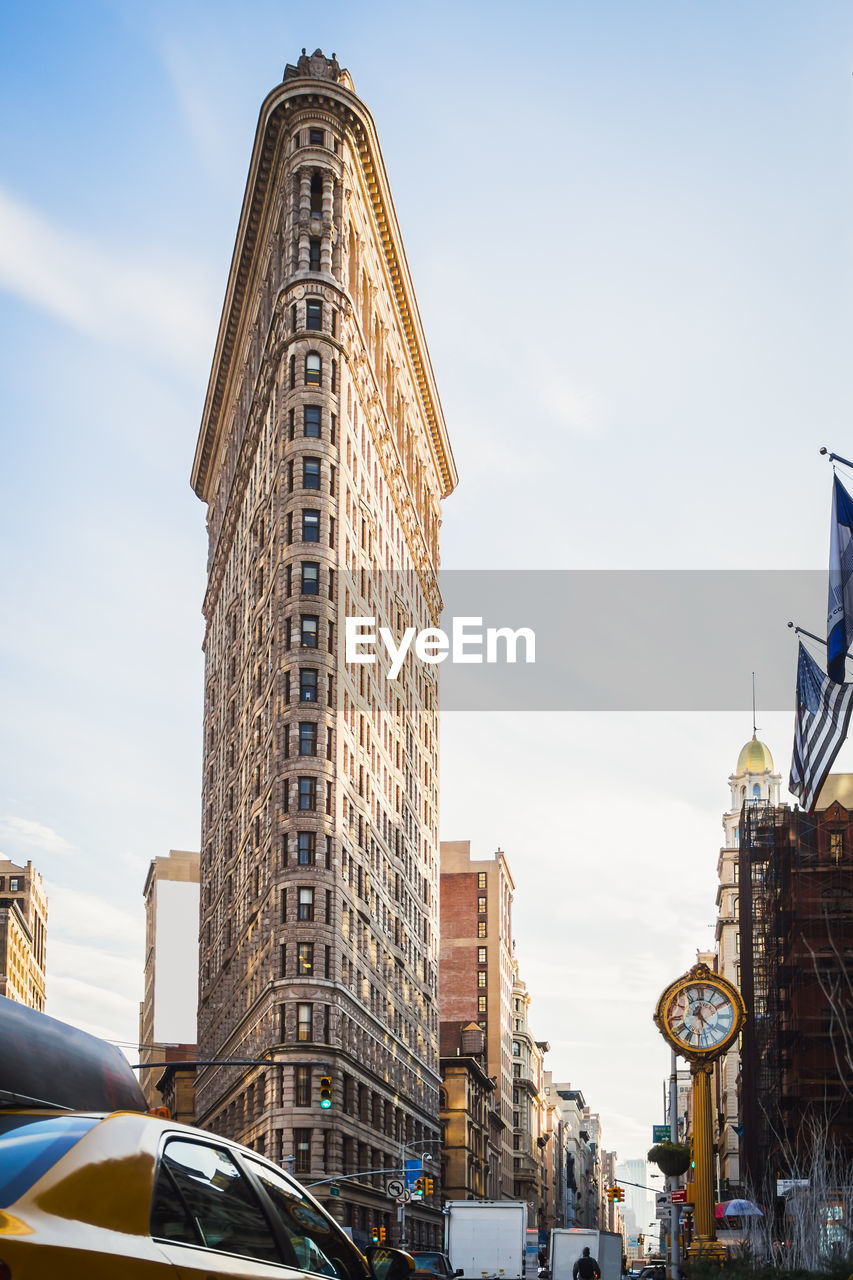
{"points": [[322, 459]]}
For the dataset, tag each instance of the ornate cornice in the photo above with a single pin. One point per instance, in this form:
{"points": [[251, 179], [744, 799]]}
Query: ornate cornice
{"points": [[283, 101]]}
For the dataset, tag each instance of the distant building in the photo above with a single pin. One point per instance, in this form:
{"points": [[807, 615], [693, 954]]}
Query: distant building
{"points": [[475, 973], [795, 879], [529, 1135], [572, 1108], [470, 1151], [753, 780], [23, 934], [167, 1015]]}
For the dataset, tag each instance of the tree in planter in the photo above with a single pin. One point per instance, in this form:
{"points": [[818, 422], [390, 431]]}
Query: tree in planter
{"points": [[672, 1158]]}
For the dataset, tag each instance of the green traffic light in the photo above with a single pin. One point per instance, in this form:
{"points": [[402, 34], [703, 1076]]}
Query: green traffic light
{"points": [[325, 1103]]}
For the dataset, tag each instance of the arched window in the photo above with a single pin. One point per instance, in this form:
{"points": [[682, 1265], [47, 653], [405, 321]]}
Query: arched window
{"points": [[756, 791], [317, 195], [313, 369], [292, 372], [334, 377], [352, 254], [735, 907]]}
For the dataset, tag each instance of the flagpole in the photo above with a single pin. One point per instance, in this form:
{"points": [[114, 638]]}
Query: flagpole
{"points": [[801, 631], [835, 457]]}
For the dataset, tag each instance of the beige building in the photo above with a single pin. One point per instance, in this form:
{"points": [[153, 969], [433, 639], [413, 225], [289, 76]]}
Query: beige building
{"points": [[23, 934], [753, 780], [471, 1130], [530, 1135], [323, 458], [476, 972], [169, 1008]]}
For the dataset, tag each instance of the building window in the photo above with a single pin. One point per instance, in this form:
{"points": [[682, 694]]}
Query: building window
{"points": [[516, 1049], [481, 978], [302, 1143], [516, 1070], [308, 738], [309, 630], [481, 906], [305, 958], [516, 1141], [481, 929], [312, 421], [481, 1004], [481, 955], [305, 848], [314, 245], [14, 884], [310, 578], [308, 684], [516, 1119], [302, 1086], [836, 845], [316, 138], [310, 525], [481, 879], [316, 195], [305, 909], [313, 369], [313, 315], [311, 473], [307, 793]]}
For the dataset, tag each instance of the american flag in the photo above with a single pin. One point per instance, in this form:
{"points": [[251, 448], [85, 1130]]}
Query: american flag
{"points": [[823, 716]]}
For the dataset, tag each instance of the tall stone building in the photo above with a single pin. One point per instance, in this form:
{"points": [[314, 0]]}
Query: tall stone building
{"points": [[753, 780], [323, 457], [23, 934], [477, 974]]}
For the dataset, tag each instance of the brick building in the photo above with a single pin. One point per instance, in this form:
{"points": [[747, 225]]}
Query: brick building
{"points": [[476, 972], [323, 458], [23, 934], [795, 880]]}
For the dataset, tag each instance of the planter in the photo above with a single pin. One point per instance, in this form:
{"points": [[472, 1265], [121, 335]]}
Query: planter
{"points": [[672, 1158]]}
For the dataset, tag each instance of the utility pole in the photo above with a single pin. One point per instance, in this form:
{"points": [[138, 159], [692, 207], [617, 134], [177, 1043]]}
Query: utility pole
{"points": [[675, 1210]]}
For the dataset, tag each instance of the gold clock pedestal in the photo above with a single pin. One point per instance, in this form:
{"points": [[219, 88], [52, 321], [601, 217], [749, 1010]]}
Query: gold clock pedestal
{"points": [[705, 1244], [701, 1015]]}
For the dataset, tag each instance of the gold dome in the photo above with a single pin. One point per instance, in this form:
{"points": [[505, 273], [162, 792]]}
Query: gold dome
{"points": [[754, 758]]}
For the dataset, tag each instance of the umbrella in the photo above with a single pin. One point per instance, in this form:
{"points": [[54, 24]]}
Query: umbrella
{"points": [[739, 1209]]}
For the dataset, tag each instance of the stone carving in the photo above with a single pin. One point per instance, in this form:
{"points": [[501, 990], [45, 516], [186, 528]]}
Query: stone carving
{"points": [[315, 67]]}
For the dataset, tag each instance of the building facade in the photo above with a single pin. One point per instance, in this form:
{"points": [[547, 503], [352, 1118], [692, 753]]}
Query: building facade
{"points": [[476, 972], [470, 1139], [753, 781], [169, 1008], [795, 882], [23, 934], [323, 458]]}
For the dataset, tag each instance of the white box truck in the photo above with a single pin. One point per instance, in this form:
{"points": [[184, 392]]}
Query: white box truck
{"points": [[486, 1238], [568, 1244]]}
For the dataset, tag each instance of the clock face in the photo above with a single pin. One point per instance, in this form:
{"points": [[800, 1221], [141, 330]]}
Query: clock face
{"points": [[700, 1017]]}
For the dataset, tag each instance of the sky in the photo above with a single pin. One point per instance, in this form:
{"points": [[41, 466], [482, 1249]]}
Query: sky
{"points": [[629, 228]]}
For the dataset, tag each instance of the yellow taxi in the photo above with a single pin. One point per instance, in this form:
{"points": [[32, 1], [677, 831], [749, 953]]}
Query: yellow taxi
{"points": [[124, 1195]]}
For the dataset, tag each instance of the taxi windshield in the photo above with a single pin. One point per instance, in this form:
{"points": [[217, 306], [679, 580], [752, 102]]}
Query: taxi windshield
{"points": [[30, 1144]]}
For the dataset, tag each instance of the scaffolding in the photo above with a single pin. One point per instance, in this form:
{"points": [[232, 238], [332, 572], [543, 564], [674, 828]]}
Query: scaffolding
{"points": [[795, 874]]}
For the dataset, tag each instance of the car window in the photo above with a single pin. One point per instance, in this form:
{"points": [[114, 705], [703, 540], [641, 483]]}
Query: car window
{"points": [[30, 1144], [202, 1198], [429, 1261], [318, 1243]]}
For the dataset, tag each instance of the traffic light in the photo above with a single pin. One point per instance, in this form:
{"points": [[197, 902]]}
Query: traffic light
{"points": [[620, 1194], [418, 1188], [325, 1092], [374, 1235], [428, 1186], [381, 1233]]}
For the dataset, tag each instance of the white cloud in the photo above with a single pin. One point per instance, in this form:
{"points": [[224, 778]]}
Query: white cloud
{"points": [[26, 831], [74, 913], [137, 303]]}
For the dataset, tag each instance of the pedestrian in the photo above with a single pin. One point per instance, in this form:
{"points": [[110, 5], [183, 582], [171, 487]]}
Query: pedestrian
{"points": [[586, 1268]]}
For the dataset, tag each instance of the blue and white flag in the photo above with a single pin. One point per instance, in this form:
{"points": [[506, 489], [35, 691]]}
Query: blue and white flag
{"points": [[823, 716], [839, 621]]}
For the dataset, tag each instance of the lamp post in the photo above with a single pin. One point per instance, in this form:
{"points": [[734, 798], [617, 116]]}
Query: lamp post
{"points": [[428, 1142]]}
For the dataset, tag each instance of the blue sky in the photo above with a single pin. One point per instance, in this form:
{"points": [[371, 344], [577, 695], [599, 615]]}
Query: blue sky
{"points": [[629, 228]]}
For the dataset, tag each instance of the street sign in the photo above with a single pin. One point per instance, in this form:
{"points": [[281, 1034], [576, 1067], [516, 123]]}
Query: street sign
{"points": [[783, 1185], [334, 1190], [414, 1170], [679, 1195], [660, 1133], [404, 1197], [395, 1187], [663, 1205]]}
